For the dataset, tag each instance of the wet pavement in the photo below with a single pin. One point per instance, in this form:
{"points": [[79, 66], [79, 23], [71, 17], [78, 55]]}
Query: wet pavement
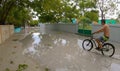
{"points": [[44, 50]]}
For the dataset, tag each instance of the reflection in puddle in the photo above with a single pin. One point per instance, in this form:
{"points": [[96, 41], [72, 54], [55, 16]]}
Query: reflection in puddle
{"points": [[32, 50], [52, 54], [36, 38], [80, 43], [61, 41], [115, 67]]}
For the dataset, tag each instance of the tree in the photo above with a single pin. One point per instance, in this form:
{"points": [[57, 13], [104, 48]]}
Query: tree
{"points": [[19, 17], [88, 12], [46, 10], [54, 10], [87, 8], [92, 15], [118, 19], [106, 7], [86, 5], [34, 23], [6, 6]]}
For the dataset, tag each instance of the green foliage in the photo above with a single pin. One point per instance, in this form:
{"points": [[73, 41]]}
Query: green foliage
{"points": [[54, 10], [18, 12], [46, 69], [118, 19], [34, 23], [85, 20], [19, 17], [7, 69], [92, 15], [65, 20], [85, 23], [22, 67], [47, 17], [86, 4], [8, 6]]}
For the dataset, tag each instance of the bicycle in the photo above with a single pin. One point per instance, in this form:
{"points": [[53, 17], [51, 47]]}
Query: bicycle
{"points": [[108, 49]]}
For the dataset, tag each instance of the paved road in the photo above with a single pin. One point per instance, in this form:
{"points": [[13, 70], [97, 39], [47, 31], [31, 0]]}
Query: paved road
{"points": [[56, 51]]}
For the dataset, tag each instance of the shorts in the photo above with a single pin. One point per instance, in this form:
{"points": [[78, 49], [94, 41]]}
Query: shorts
{"points": [[103, 38]]}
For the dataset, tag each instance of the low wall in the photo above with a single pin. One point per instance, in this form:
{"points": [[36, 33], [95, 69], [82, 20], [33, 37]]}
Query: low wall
{"points": [[114, 31], [5, 32], [84, 32], [72, 28]]}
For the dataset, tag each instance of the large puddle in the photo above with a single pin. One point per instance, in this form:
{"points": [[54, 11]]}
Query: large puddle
{"points": [[63, 52]]}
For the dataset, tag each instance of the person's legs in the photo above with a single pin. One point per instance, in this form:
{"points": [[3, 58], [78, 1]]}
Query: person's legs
{"points": [[99, 42]]}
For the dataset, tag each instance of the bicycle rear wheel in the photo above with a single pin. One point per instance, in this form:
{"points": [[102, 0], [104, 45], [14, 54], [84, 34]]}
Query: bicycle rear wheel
{"points": [[87, 44], [108, 49]]}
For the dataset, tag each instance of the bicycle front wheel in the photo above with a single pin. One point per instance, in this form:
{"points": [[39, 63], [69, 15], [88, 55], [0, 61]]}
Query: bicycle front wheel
{"points": [[108, 49], [87, 44]]}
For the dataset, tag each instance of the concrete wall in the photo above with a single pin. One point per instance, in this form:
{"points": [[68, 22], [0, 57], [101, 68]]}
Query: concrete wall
{"points": [[5, 32], [0, 35], [114, 32], [72, 28]]}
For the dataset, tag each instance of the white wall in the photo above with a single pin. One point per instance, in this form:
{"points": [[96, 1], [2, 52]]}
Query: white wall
{"points": [[114, 31], [5, 32]]}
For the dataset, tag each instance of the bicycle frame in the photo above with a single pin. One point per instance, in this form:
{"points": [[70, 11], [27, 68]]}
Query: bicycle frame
{"points": [[93, 41]]}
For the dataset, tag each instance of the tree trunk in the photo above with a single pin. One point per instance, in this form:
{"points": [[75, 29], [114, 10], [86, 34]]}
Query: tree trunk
{"points": [[5, 13], [102, 12]]}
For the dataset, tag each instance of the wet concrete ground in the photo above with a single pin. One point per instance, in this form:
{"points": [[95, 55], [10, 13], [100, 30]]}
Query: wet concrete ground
{"points": [[54, 51]]}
